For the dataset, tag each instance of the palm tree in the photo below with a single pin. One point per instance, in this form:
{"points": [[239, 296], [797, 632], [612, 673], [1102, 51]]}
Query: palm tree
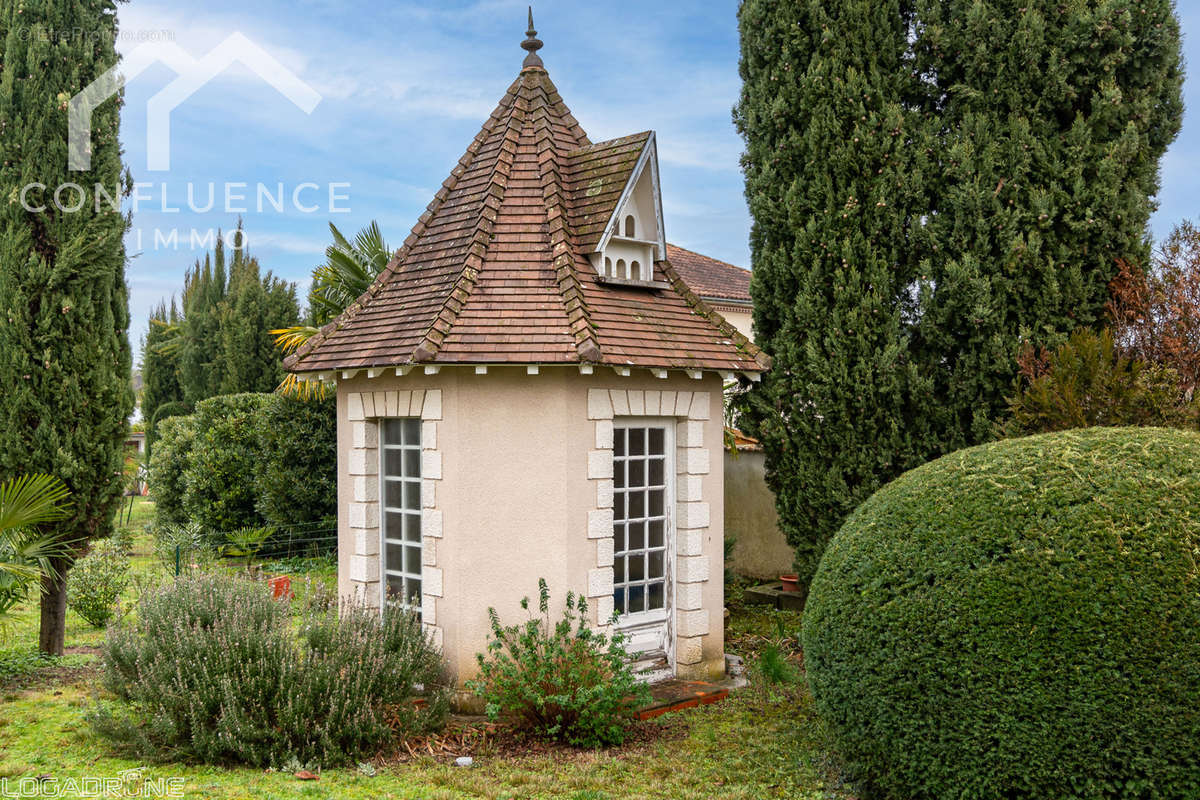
{"points": [[26, 554], [349, 270]]}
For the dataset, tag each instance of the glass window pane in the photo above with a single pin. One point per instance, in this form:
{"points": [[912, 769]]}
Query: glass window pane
{"points": [[413, 587], [619, 570], [394, 525], [656, 533], [412, 527], [655, 599], [412, 495], [637, 505], [619, 474], [637, 441], [637, 473], [656, 503], [618, 537], [412, 431], [412, 560], [393, 494], [656, 441], [636, 599], [619, 505], [619, 442], [619, 601], [395, 588], [412, 463], [393, 462], [392, 431], [637, 538], [637, 568], [656, 472], [655, 568], [395, 557]]}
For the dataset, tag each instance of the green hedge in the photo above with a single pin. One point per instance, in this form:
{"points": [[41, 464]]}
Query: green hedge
{"points": [[224, 463], [1020, 619], [297, 483], [172, 449], [247, 460]]}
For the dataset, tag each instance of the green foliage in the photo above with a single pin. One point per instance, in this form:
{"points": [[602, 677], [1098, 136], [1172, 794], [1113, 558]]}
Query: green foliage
{"points": [[181, 547], [1019, 619], [96, 582], [19, 662], [262, 459], [1086, 382], [560, 681], [28, 502], [1050, 139], [221, 344], [160, 365], [836, 170], [245, 543], [168, 463], [219, 479], [297, 479], [212, 671], [922, 204], [65, 360], [349, 270]]}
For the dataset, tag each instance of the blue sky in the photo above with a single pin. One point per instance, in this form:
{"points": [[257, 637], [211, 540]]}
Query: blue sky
{"points": [[404, 88]]}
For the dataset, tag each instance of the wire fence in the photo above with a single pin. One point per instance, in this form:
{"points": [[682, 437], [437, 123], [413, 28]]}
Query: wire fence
{"points": [[291, 548]]}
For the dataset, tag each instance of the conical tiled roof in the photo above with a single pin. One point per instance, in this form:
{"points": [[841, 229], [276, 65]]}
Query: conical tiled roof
{"points": [[496, 270]]}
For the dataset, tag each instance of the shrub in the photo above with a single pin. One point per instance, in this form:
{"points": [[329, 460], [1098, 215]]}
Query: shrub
{"points": [[172, 452], [212, 671], [1019, 619], [1087, 382], [181, 548], [219, 477], [297, 480], [565, 682], [97, 580]]}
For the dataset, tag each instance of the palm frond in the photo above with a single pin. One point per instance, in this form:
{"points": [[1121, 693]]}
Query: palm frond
{"points": [[27, 501]]}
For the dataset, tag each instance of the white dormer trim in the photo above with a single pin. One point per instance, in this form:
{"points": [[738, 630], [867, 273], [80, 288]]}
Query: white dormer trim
{"points": [[649, 157]]}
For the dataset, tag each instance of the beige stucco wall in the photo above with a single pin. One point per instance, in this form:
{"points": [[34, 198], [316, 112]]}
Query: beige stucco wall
{"points": [[759, 549], [522, 494]]}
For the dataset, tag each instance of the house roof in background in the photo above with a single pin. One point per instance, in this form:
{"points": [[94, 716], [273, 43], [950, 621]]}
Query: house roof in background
{"points": [[710, 278], [496, 270]]}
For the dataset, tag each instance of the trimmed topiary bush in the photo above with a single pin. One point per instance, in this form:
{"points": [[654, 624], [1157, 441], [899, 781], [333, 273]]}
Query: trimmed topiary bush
{"points": [[172, 452], [1020, 619], [297, 481]]}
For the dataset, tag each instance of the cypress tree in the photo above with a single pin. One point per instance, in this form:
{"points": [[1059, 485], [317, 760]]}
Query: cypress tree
{"points": [[1051, 120], [160, 364], [834, 164], [65, 360]]}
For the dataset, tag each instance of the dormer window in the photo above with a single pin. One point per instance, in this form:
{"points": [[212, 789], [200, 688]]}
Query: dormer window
{"points": [[632, 241]]}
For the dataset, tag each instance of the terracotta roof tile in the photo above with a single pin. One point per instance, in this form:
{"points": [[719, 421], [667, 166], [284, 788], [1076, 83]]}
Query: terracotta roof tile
{"points": [[496, 270], [710, 278]]}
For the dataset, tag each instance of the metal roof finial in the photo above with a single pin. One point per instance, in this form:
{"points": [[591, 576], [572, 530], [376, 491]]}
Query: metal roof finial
{"points": [[532, 44]]}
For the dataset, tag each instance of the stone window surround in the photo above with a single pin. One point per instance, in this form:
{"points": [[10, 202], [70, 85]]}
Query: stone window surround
{"points": [[691, 411], [365, 410]]}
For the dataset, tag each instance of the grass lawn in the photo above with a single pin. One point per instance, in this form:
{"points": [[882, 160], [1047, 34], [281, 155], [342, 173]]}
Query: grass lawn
{"points": [[758, 744]]}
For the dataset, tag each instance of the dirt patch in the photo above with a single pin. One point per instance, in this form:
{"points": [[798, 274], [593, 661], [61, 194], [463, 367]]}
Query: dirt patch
{"points": [[50, 678], [483, 740]]}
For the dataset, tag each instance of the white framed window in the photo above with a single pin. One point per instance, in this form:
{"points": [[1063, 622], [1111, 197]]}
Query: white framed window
{"points": [[642, 498], [400, 507]]}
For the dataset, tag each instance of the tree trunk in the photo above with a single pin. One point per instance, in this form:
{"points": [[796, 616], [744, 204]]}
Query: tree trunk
{"points": [[53, 630]]}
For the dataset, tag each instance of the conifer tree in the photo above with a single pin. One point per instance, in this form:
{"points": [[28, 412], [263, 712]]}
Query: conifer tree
{"points": [[65, 359], [834, 166], [1051, 121], [160, 363]]}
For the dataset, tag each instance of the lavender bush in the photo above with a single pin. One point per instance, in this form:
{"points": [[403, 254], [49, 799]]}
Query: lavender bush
{"points": [[214, 671]]}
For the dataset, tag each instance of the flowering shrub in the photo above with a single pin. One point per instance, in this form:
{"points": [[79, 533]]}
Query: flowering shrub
{"points": [[565, 681], [213, 671], [97, 580]]}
